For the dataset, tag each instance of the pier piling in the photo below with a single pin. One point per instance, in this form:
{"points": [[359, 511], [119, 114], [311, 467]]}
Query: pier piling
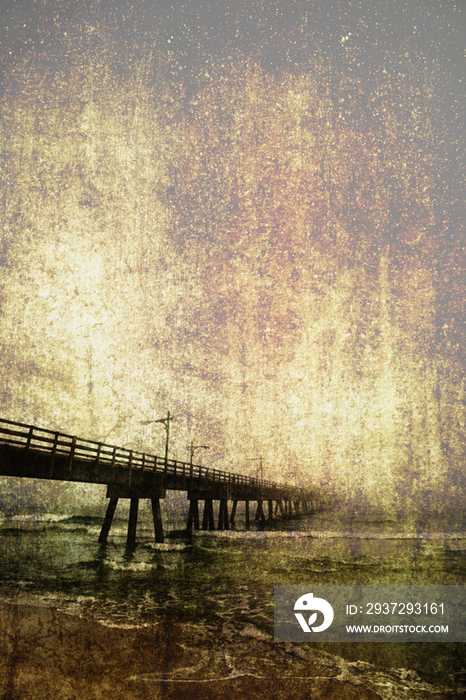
{"points": [[112, 504], [132, 522], [157, 517]]}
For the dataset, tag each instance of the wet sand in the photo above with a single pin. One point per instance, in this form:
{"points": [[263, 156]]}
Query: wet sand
{"points": [[47, 654]]}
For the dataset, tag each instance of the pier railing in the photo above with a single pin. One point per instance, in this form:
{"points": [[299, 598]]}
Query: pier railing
{"points": [[56, 444]]}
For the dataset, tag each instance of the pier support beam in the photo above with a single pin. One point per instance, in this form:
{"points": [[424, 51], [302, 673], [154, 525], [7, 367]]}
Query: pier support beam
{"points": [[260, 513], [233, 513], [132, 522], [193, 515], [270, 509], [134, 493], [157, 517], [246, 510], [108, 520], [223, 523], [208, 515]]}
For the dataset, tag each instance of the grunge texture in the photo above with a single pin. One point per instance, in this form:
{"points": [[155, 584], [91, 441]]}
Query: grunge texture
{"points": [[252, 215]]}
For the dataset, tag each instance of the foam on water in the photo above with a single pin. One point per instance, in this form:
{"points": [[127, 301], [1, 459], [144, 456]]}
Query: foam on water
{"points": [[331, 534], [169, 546], [37, 518], [141, 566]]}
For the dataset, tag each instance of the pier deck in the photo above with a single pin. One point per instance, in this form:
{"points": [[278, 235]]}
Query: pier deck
{"points": [[32, 452]]}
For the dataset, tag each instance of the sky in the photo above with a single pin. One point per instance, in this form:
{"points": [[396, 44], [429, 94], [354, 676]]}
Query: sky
{"points": [[250, 214]]}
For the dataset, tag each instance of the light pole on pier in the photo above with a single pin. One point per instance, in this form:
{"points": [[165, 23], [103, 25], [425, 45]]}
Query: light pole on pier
{"points": [[166, 422], [193, 448], [261, 467]]}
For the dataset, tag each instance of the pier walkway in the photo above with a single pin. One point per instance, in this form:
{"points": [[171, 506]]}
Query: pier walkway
{"points": [[32, 452]]}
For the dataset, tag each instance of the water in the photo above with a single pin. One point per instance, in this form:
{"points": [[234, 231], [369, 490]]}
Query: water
{"points": [[198, 612]]}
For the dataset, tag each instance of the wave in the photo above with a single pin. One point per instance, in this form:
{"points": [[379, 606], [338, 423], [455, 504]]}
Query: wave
{"points": [[38, 518], [163, 678], [332, 677], [248, 654], [335, 535], [136, 567], [169, 547], [331, 534]]}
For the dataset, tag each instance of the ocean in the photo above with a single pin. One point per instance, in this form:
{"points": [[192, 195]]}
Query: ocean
{"points": [[193, 617]]}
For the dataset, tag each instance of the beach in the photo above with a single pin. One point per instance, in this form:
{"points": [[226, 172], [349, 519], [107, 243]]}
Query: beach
{"points": [[193, 618], [46, 653]]}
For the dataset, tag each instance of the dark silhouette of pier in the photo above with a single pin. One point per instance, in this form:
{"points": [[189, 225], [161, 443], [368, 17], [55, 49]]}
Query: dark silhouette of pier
{"points": [[32, 452]]}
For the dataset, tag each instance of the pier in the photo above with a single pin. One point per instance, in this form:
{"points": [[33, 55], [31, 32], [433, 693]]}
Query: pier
{"points": [[32, 452]]}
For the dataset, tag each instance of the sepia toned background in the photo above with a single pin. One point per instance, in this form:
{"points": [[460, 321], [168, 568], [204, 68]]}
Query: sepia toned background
{"points": [[251, 215]]}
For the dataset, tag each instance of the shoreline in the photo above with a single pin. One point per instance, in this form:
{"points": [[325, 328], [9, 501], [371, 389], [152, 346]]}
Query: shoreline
{"points": [[47, 653], [148, 645]]}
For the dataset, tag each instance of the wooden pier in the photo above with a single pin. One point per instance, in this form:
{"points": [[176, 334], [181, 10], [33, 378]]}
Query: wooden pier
{"points": [[32, 452]]}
